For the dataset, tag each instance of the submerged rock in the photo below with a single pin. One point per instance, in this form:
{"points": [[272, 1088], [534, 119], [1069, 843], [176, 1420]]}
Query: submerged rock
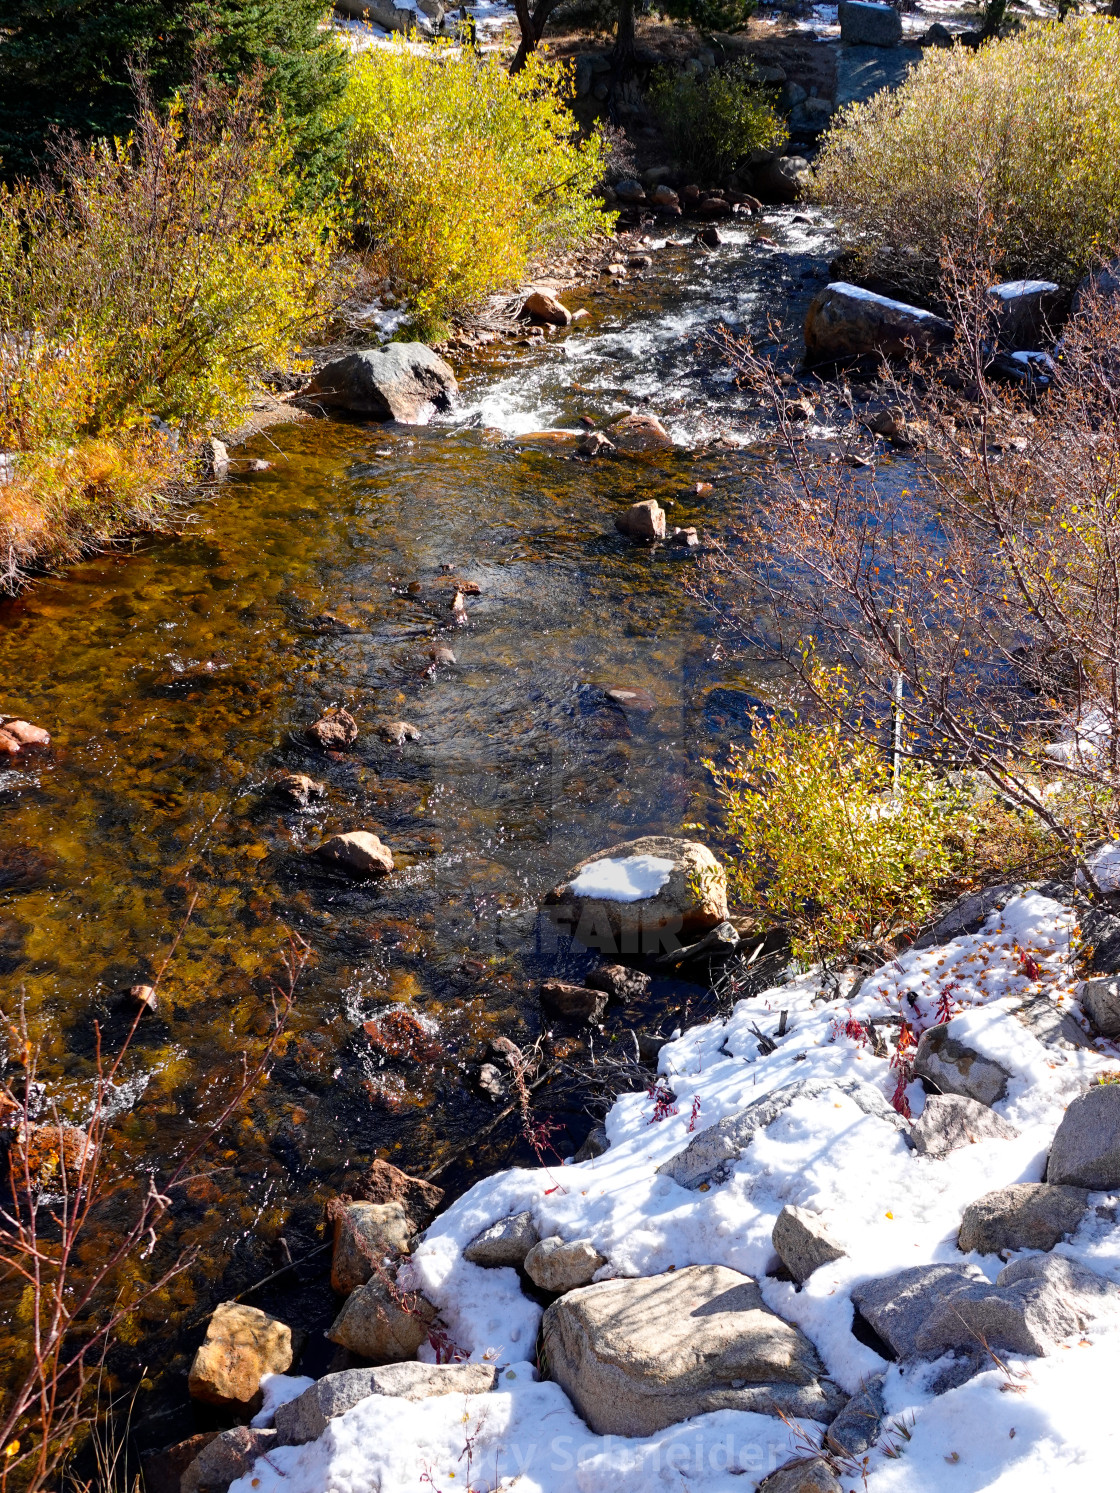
{"points": [[359, 853], [575, 1002], [635, 1356], [637, 434], [404, 381], [398, 732], [241, 1344]]}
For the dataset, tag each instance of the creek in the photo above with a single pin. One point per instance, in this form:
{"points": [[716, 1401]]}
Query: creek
{"points": [[177, 677]]}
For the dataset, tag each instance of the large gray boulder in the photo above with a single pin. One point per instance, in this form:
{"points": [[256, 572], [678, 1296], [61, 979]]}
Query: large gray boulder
{"points": [[635, 1356], [1100, 1000], [896, 1306], [1035, 1303], [506, 1242], [845, 321], [382, 1323], [950, 1121], [424, 17], [1026, 1215], [710, 1156], [866, 25], [954, 1068], [640, 896], [307, 1416], [404, 381], [1086, 1149], [803, 1243]]}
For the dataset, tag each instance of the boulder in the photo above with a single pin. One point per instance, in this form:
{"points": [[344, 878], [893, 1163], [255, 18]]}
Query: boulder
{"points": [[573, 1002], [710, 237], [866, 25], [856, 1429], [806, 1475], [663, 196], [559, 1265], [595, 1143], [937, 35], [1035, 1303], [164, 1467], [845, 321], [953, 1068], [1026, 1215], [803, 1243], [383, 1323], [1100, 1000], [506, 1242], [382, 1182], [358, 853], [404, 381], [307, 1417], [896, 1306], [365, 1234], [225, 1458], [26, 734], [629, 190], [619, 982], [710, 1156], [1086, 1149], [969, 913], [645, 520], [298, 787], [782, 179], [335, 731], [639, 896], [544, 307], [1023, 312], [639, 434], [635, 1356], [950, 1121], [1051, 1024], [241, 1344]]}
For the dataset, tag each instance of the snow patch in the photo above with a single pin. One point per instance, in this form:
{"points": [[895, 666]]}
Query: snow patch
{"points": [[629, 878]]}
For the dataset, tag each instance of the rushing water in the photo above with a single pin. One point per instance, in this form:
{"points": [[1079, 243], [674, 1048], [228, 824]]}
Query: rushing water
{"points": [[178, 678]]}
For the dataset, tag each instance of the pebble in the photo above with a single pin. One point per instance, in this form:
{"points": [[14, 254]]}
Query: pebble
{"points": [[299, 787], [334, 729]]}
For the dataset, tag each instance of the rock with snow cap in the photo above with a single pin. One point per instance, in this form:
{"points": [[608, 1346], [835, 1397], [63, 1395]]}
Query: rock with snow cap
{"points": [[639, 897], [710, 1156], [308, 1416], [1086, 1148], [1026, 1215], [952, 1067], [950, 1121], [506, 1242], [1100, 1000], [636, 1355], [846, 321], [1023, 311]]}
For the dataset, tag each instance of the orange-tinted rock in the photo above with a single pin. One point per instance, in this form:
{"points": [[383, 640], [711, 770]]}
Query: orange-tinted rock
{"points": [[241, 1345]]}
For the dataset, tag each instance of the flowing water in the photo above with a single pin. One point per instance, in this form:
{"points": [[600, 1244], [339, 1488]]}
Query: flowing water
{"points": [[178, 678]]}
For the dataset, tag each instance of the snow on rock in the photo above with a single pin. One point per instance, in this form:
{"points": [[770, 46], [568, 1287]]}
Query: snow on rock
{"points": [[628, 879], [885, 1204], [278, 1389]]}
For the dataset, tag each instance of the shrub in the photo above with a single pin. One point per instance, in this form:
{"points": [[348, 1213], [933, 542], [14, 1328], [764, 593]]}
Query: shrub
{"points": [[461, 175], [1019, 140], [712, 123], [822, 845], [146, 281]]}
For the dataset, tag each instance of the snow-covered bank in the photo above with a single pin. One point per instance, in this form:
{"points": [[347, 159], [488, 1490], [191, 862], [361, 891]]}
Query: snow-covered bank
{"points": [[1031, 1423]]}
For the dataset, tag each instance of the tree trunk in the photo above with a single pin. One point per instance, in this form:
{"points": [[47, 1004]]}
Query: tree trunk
{"points": [[623, 56]]}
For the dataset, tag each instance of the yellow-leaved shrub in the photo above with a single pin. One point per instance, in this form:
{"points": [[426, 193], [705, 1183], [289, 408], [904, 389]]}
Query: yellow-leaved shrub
{"points": [[144, 285], [460, 176], [822, 845], [1015, 145]]}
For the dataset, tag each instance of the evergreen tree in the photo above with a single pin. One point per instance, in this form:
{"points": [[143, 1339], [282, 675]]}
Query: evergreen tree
{"points": [[64, 64]]}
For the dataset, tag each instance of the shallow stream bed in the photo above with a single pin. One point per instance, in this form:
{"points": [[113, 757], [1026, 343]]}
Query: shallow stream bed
{"points": [[178, 678]]}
